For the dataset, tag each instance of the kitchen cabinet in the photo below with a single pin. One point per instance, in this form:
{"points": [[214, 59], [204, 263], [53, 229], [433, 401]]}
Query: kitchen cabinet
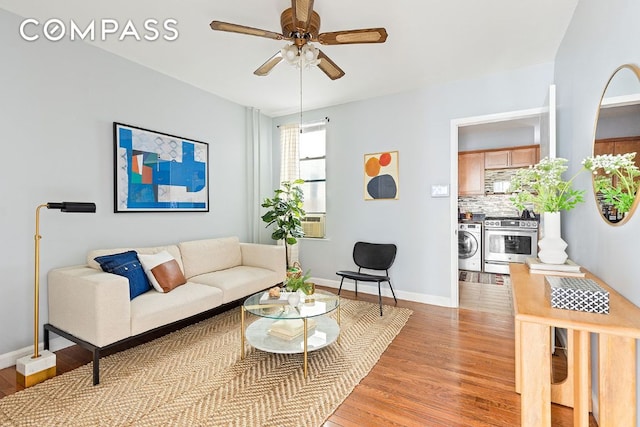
{"points": [[618, 146], [516, 157], [603, 147], [471, 173]]}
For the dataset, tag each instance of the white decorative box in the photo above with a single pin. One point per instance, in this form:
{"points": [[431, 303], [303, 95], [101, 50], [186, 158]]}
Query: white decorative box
{"points": [[573, 293]]}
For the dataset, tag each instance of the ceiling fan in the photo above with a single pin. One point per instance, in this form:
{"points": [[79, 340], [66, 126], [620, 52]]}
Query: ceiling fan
{"points": [[301, 25]]}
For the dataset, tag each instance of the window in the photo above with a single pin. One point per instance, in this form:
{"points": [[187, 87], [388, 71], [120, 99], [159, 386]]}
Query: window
{"points": [[304, 156], [312, 168]]}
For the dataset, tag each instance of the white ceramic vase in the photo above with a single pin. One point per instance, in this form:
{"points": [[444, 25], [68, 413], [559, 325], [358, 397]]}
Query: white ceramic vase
{"points": [[294, 299], [552, 247]]}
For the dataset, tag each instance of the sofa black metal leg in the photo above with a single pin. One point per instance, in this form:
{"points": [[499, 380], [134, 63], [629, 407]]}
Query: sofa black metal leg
{"points": [[340, 288], [96, 367], [46, 339]]}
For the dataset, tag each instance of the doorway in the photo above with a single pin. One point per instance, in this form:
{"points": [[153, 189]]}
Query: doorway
{"points": [[547, 149]]}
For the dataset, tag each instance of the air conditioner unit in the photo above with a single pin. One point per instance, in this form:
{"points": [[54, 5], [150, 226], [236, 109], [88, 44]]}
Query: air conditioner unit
{"points": [[313, 225]]}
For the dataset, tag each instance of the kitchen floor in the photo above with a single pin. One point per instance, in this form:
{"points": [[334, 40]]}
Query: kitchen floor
{"points": [[486, 292]]}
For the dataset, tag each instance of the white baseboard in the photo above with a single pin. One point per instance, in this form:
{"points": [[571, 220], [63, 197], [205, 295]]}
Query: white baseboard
{"points": [[9, 359], [385, 291]]}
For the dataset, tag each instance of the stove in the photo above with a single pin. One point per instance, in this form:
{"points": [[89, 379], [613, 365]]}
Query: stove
{"points": [[508, 239], [509, 222]]}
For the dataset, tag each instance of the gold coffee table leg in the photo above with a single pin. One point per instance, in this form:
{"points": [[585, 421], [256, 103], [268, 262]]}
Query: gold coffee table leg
{"points": [[305, 346], [242, 332], [339, 331]]}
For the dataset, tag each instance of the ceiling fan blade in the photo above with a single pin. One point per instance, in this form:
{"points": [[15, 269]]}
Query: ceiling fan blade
{"points": [[302, 11], [266, 68], [368, 35], [235, 28], [329, 67]]}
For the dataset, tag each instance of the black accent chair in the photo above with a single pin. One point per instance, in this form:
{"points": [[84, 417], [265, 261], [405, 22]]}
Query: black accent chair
{"points": [[371, 256]]}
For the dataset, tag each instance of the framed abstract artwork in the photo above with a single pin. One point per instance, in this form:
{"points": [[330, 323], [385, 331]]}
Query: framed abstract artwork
{"points": [[381, 176], [157, 172]]}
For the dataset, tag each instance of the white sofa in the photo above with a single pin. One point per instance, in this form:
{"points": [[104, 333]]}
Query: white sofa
{"points": [[93, 308]]}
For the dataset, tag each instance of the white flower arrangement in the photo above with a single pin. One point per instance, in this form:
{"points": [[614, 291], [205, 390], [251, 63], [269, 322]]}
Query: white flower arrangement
{"points": [[617, 179], [542, 186], [618, 184]]}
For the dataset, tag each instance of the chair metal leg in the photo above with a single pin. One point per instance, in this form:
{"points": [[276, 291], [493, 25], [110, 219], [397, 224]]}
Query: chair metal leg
{"points": [[393, 293], [340, 288], [356, 283], [380, 298]]}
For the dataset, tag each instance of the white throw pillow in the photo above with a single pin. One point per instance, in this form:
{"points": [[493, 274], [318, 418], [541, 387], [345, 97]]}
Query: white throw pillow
{"points": [[163, 271]]}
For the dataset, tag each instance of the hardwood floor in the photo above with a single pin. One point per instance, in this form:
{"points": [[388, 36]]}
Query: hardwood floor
{"points": [[446, 368]]}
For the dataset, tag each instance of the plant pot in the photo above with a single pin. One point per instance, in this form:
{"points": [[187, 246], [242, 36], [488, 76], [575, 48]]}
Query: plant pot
{"points": [[294, 271], [294, 299], [552, 247]]}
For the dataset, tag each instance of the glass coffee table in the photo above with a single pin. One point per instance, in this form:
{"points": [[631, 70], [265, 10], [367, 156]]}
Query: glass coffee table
{"points": [[289, 326]]}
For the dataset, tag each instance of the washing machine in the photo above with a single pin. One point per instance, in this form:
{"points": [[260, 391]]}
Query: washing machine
{"points": [[470, 246]]}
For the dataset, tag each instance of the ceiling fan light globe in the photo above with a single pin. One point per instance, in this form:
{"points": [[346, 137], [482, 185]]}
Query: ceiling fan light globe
{"points": [[290, 53]]}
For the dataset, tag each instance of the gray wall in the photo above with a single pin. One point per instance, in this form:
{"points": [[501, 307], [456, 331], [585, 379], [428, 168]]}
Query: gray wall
{"points": [[417, 124], [478, 138], [619, 125], [57, 106], [601, 36]]}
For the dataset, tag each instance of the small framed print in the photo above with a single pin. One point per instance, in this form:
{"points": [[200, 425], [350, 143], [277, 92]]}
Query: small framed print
{"points": [[381, 176]]}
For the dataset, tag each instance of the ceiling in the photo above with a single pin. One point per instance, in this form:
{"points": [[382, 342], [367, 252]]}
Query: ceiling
{"points": [[430, 42]]}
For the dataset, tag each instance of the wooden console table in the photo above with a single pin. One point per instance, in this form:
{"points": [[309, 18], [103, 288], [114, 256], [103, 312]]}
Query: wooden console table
{"points": [[616, 334]]}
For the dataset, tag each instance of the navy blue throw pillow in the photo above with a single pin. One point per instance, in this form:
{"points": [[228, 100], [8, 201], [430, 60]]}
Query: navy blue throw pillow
{"points": [[128, 265]]}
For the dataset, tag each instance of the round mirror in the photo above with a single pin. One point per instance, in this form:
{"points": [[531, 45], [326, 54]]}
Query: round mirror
{"points": [[617, 133]]}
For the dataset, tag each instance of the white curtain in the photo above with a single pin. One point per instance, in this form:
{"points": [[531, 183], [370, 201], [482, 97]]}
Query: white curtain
{"points": [[254, 145], [289, 152], [290, 167]]}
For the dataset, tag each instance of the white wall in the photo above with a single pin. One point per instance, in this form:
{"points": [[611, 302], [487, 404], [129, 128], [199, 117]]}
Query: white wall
{"points": [[417, 124], [57, 105], [601, 36]]}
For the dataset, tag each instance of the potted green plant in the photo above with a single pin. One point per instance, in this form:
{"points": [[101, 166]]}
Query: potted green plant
{"points": [[542, 186], [285, 212], [300, 283], [616, 179]]}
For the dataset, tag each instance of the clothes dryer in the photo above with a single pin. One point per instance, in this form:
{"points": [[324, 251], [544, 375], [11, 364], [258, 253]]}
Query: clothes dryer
{"points": [[470, 246]]}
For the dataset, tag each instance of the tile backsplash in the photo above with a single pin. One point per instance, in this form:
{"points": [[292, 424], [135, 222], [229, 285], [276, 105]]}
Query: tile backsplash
{"points": [[491, 204]]}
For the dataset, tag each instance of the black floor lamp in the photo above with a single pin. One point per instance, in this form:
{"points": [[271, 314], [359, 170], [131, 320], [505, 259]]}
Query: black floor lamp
{"points": [[31, 370]]}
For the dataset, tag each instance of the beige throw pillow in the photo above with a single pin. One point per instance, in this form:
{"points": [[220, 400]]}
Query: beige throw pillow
{"points": [[163, 271]]}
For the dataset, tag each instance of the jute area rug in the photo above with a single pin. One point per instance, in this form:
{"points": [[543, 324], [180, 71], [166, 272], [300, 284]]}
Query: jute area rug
{"points": [[195, 377]]}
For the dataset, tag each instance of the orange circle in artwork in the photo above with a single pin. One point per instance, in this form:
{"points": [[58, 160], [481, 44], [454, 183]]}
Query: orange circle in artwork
{"points": [[372, 167], [385, 159]]}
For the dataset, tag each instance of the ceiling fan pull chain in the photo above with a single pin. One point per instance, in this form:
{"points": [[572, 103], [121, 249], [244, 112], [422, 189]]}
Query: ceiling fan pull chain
{"points": [[300, 97]]}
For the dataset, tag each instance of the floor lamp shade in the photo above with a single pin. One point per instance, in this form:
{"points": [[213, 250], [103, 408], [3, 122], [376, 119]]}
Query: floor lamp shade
{"points": [[73, 206], [31, 370]]}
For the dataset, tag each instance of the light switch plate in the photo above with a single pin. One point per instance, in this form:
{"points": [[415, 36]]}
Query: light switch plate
{"points": [[440, 190]]}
